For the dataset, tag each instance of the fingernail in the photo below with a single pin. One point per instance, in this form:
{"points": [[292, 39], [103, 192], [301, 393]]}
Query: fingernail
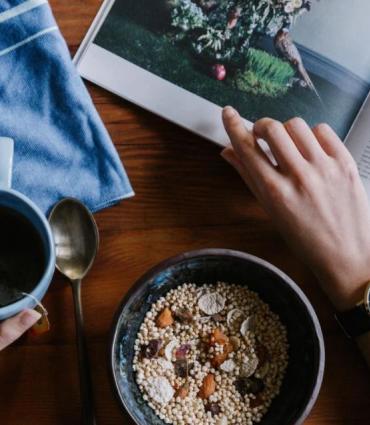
{"points": [[229, 112], [29, 318]]}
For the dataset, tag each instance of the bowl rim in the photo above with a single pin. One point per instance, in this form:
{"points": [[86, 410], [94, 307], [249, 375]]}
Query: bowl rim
{"points": [[221, 252]]}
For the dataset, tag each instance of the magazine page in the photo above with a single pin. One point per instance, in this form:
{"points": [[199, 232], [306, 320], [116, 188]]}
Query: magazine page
{"points": [[358, 143], [185, 59]]}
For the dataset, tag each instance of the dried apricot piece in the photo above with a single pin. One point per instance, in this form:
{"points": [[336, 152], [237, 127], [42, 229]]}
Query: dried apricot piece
{"points": [[208, 386], [164, 318]]}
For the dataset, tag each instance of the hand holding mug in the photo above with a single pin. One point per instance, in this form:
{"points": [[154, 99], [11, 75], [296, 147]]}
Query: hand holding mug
{"points": [[13, 328], [27, 255]]}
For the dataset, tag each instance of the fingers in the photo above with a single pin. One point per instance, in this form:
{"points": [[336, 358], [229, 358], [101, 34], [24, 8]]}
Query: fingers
{"points": [[281, 144], [304, 139], [229, 155], [330, 142], [13, 328], [248, 152]]}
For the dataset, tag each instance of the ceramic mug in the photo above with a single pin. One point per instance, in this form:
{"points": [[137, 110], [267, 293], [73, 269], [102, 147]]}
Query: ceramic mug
{"points": [[19, 203]]}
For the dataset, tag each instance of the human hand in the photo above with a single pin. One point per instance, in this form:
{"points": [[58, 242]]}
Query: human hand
{"points": [[13, 328], [314, 195]]}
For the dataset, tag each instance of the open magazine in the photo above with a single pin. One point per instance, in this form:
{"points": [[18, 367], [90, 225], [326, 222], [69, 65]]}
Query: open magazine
{"points": [[186, 59]]}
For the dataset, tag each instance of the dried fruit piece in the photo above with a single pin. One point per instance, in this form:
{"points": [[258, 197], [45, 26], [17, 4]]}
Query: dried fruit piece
{"points": [[262, 353], [256, 401], [247, 326], [211, 303], [183, 315], [217, 337], [159, 389], [249, 368], [233, 315], [228, 365], [220, 358], [169, 349], [208, 387], [151, 350], [182, 368], [182, 351], [214, 408], [217, 318], [250, 385], [164, 318], [183, 391]]}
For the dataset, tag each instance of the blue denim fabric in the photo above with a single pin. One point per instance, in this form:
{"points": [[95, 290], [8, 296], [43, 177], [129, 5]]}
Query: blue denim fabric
{"points": [[61, 146]]}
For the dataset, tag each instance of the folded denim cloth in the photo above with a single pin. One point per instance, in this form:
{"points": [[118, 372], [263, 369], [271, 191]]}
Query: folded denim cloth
{"points": [[61, 146]]}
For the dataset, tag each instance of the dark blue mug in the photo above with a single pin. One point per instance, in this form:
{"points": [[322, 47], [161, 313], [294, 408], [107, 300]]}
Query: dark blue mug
{"points": [[20, 204]]}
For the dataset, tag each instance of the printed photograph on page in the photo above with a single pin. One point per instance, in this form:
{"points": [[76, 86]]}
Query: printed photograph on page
{"points": [[278, 58]]}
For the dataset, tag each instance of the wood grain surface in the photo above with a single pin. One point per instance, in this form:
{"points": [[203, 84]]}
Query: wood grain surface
{"points": [[187, 198]]}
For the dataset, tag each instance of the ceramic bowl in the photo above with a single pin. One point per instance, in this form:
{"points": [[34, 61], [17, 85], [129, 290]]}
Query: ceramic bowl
{"points": [[304, 374]]}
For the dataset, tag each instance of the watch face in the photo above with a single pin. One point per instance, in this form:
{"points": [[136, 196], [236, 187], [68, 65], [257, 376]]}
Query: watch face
{"points": [[367, 299]]}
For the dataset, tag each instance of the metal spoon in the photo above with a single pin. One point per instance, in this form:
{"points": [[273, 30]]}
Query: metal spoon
{"points": [[76, 242]]}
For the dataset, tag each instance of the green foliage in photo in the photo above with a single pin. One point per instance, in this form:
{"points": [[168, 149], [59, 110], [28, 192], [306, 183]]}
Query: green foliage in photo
{"points": [[264, 74]]}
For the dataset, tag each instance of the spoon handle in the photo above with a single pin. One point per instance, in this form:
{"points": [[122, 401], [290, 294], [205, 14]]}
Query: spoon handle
{"points": [[87, 399]]}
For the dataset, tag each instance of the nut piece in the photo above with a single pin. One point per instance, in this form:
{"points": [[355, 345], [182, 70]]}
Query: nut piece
{"points": [[250, 385], [208, 387], [182, 368], [235, 342], [183, 391], [262, 354], [183, 315], [213, 408], [164, 318]]}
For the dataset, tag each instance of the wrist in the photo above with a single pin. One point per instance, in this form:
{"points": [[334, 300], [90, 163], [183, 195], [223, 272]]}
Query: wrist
{"points": [[346, 289]]}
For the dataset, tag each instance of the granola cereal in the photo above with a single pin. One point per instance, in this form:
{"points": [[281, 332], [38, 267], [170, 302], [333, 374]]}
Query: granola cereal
{"points": [[210, 355]]}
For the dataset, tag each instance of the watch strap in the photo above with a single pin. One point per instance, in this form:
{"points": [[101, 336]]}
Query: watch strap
{"points": [[354, 322]]}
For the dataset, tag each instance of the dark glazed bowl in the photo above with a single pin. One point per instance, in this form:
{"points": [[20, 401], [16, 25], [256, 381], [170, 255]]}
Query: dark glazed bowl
{"points": [[304, 375]]}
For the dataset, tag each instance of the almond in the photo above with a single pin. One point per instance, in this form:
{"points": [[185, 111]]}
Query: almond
{"points": [[217, 337], [208, 387], [164, 318], [183, 391]]}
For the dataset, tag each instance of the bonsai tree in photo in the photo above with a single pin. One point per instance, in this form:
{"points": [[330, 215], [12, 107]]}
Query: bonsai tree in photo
{"points": [[222, 33]]}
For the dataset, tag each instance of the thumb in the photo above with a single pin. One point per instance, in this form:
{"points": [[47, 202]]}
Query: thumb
{"points": [[13, 328]]}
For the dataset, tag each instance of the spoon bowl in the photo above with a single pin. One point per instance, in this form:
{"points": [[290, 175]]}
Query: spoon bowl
{"points": [[76, 238]]}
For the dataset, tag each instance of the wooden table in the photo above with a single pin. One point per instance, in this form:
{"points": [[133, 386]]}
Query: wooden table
{"points": [[187, 198]]}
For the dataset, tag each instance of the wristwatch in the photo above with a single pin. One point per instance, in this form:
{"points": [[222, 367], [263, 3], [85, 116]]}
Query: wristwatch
{"points": [[356, 322]]}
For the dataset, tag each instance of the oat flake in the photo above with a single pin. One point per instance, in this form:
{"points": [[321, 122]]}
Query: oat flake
{"points": [[165, 364], [228, 365], [249, 368], [247, 325], [160, 390], [211, 303], [169, 349], [233, 315]]}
